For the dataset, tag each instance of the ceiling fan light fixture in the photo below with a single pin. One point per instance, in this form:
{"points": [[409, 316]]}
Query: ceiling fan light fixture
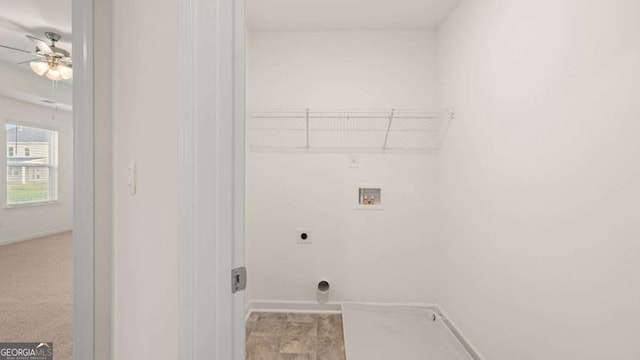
{"points": [[54, 75], [39, 67], [54, 62], [65, 71]]}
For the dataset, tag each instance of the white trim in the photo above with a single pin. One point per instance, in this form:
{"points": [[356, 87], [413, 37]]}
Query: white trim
{"points": [[315, 307], [431, 306], [208, 173], [462, 338], [294, 307], [83, 182], [32, 204], [238, 83], [49, 127], [187, 169], [34, 236]]}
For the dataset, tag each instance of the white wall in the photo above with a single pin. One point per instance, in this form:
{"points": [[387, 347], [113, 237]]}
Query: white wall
{"points": [[146, 249], [365, 254], [28, 222], [346, 69], [20, 83], [358, 251], [539, 177]]}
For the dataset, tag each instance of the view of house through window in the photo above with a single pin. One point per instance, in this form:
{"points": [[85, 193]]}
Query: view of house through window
{"points": [[32, 158]]}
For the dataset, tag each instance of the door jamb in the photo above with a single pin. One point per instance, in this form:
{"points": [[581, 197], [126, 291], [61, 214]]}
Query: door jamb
{"points": [[83, 181], [211, 212]]}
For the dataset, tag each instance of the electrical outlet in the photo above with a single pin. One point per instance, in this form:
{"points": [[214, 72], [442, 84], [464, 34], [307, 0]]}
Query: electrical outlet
{"points": [[354, 161], [303, 236]]}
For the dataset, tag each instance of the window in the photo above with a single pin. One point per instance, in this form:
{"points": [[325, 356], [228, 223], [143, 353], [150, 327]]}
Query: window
{"points": [[32, 178]]}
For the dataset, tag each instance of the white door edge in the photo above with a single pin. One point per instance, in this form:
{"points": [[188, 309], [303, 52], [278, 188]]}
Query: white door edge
{"points": [[211, 171]]}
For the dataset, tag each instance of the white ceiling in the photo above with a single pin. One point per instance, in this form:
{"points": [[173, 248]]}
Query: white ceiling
{"points": [[33, 17], [266, 15]]}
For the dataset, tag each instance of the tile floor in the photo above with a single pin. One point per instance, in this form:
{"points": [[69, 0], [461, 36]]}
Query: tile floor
{"points": [[279, 336]]}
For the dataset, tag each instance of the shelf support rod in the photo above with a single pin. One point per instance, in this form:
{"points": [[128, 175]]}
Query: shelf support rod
{"points": [[386, 136], [307, 121]]}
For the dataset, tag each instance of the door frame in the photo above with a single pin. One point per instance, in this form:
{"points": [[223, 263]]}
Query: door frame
{"points": [[83, 182], [211, 175]]}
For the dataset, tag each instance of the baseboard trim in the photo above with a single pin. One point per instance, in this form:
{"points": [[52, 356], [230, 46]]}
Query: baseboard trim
{"points": [[34, 236], [459, 335], [294, 307], [430, 306], [336, 308]]}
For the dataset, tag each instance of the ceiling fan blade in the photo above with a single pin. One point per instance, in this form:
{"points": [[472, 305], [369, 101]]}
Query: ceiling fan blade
{"points": [[28, 61], [12, 48], [41, 45]]}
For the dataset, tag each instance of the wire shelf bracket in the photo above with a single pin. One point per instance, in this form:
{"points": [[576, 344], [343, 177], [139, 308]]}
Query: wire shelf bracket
{"points": [[386, 136]]}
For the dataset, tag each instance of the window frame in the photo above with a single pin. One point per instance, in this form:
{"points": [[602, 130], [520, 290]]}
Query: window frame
{"points": [[55, 168]]}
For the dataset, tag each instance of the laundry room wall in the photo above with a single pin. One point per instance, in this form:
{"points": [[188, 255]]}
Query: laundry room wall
{"points": [[381, 255], [538, 177]]}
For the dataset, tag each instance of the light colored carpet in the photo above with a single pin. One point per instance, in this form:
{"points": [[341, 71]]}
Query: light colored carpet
{"points": [[36, 303]]}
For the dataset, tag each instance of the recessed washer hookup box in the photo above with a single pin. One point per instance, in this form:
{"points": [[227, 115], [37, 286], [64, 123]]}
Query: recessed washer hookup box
{"points": [[26, 351]]}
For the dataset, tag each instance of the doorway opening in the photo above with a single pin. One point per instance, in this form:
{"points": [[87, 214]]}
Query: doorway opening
{"points": [[343, 128], [46, 193]]}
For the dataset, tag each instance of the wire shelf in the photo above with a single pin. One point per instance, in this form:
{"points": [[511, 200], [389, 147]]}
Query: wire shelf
{"points": [[344, 130]]}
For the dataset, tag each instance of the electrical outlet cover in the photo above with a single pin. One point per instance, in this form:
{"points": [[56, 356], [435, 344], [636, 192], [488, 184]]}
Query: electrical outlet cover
{"points": [[354, 161]]}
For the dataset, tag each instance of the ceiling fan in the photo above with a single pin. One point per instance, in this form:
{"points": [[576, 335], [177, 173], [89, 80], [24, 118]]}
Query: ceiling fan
{"points": [[53, 61]]}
